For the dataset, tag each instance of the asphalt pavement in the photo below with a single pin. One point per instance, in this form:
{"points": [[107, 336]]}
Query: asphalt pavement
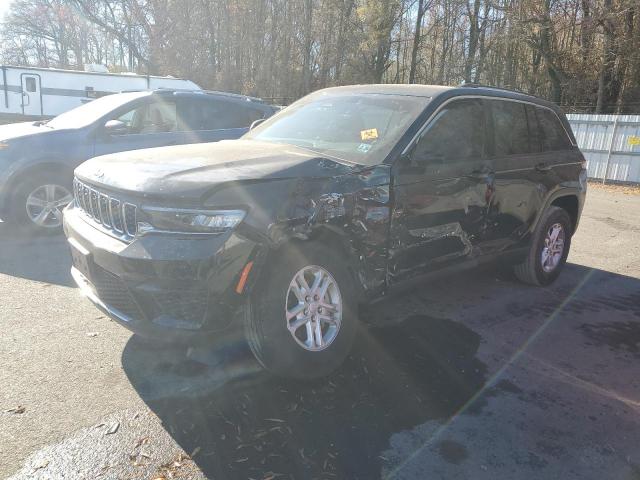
{"points": [[473, 376]]}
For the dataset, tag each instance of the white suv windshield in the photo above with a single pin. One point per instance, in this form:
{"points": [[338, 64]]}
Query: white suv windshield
{"points": [[88, 113], [361, 128]]}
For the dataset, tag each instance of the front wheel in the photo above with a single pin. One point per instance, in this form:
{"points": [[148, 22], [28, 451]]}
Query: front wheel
{"points": [[38, 201], [302, 317], [549, 249]]}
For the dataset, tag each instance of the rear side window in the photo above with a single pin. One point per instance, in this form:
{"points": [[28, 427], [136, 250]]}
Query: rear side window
{"points": [[256, 114], [455, 134], [201, 115], [554, 136], [510, 128], [217, 115], [236, 115]]}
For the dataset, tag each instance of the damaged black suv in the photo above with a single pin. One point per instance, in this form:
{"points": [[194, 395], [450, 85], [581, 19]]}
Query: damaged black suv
{"points": [[347, 194]]}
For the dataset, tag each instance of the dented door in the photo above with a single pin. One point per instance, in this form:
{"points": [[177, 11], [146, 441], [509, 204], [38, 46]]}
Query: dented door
{"points": [[442, 188]]}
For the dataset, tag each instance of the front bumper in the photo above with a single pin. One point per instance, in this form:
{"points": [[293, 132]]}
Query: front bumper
{"points": [[168, 287]]}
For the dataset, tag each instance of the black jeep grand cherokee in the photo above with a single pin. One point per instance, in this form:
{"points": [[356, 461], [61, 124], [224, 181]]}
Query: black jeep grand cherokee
{"points": [[345, 195]]}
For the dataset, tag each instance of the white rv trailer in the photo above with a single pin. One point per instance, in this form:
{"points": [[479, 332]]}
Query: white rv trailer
{"points": [[29, 93]]}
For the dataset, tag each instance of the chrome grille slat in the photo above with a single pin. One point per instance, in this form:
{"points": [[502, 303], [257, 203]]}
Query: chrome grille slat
{"points": [[110, 213], [104, 210], [116, 212], [93, 199], [129, 218], [85, 197]]}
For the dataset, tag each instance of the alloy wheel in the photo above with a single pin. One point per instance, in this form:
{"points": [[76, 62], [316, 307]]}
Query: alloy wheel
{"points": [[553, 248], [45, 204], [313, 308]]}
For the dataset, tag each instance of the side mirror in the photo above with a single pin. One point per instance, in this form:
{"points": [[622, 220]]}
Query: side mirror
{"points": [[255, 123], [116, 127]]}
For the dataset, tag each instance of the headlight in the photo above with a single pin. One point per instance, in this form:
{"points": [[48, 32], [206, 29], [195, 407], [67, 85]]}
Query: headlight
{"points": [[189, 221]]}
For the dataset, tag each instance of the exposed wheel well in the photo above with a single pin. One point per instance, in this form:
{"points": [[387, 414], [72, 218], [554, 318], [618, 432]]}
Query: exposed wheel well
{"points": [[334, 241], [569, 203]]}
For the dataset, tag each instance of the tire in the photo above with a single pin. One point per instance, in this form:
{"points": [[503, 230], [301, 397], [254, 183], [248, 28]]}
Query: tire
{"points": [[532, 270], [42, 186], [266, 326]]}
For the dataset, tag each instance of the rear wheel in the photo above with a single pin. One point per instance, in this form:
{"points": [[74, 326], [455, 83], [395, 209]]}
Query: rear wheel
{"points": [[549, 249], [37, 202], [302, 320]]}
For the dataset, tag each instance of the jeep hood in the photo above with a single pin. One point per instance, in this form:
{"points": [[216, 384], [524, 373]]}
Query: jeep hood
{"points": [[193, 170]]}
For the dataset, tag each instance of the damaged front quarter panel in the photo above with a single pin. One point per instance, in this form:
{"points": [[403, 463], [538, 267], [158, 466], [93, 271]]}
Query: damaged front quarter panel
{"points": [[346, 206], [349, 211]]}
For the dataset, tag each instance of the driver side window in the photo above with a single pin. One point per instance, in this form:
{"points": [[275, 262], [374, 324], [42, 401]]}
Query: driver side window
{"points": [[156, 117], [455, 134], [130, 121]]}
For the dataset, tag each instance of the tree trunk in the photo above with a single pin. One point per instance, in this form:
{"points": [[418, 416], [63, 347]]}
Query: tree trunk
{"points": [[416, 42], [474, 34]]}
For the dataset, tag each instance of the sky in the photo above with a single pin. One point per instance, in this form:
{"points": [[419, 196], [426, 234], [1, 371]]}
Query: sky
{"points": [[4, 7]]}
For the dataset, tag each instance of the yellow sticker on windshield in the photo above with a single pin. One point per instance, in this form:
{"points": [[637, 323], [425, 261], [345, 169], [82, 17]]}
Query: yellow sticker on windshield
{"points": [[633, 141], [370, 134]]}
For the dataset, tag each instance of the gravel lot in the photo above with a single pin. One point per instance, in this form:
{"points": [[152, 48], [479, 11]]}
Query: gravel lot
{"points": [[472, 376]]}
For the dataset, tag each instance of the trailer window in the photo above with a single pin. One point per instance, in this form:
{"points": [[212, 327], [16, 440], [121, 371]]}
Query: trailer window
{"points": [[30, 83]]}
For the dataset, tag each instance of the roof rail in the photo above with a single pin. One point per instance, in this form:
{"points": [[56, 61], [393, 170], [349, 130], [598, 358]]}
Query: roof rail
{"points": [[234, 95], [173, 90], [169, 90], [481, 85]]}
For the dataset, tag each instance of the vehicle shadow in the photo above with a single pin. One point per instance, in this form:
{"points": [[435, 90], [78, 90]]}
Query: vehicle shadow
{"points": [[406, 369], [43, 258], [240, 422]]}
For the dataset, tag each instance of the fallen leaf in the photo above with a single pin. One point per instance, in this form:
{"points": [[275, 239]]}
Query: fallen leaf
{"points": [[113, 429], [142, 441], [40, 466], [17, 410]]}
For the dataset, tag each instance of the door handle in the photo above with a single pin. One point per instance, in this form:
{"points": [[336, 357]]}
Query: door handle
{"points": [[543, 167]]}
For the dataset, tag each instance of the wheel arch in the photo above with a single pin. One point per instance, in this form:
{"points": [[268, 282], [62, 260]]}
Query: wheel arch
{"points": [[44, 166], [566, 198], [19, 176], [330, 237], [571, 205]]}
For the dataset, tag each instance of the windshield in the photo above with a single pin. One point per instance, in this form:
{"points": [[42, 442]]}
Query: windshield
{"points": [[361, 128], [88, 113]]}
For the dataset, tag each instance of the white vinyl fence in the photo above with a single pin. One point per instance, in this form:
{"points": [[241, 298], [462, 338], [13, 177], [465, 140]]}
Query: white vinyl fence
{"points": [[611, 145]]}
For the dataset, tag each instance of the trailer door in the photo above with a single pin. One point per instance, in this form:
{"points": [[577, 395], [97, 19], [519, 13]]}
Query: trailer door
{"points": [[31, 94]]}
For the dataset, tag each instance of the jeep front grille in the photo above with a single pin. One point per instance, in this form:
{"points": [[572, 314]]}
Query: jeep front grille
{"points": [[112, 214]]}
